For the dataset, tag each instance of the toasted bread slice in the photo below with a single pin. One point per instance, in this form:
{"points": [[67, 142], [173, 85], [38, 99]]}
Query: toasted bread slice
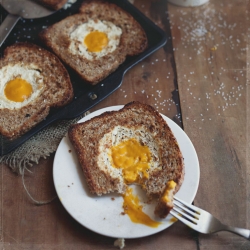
{"points": [[50, 82], [165, 203], [134, 35], [125, 37], [93, 139], [53, 4]]}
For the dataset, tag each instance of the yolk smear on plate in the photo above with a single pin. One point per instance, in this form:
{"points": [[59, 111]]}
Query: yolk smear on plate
{"points": [[133, 209], [96, 41], [133, 158], [17, 90], [173, 219]]}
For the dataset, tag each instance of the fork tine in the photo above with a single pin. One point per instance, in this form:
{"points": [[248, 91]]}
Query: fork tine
{"points": [[188, 206], [182, 219], [186, 209], [185, 215]]}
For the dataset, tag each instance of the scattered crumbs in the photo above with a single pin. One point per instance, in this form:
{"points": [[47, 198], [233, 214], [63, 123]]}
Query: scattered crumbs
{"points": [[69, 186], [112, 198], [104, 218], [119, 243], [122, 213], [70, 151]]}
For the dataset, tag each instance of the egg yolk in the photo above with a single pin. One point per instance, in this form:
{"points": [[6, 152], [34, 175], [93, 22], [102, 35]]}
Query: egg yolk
{"points": [[96, 41], [17, 90], [170, 188], [133, 209], [133, 159]]}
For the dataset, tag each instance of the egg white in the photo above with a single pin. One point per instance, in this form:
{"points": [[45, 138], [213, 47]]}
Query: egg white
{"points": [[118, 135], [77, 37], [28, 73]]}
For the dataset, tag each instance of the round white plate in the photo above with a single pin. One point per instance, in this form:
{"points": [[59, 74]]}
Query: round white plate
{"points": [[103, 214]]}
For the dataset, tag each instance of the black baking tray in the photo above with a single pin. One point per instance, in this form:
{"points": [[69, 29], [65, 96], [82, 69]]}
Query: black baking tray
{"points": [[86, 96]]}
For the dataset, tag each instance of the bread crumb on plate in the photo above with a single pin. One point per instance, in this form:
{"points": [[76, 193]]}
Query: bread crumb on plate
{"points": [[120, 243]]}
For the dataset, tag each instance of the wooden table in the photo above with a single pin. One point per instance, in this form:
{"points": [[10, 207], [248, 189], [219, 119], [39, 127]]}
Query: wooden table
{"points": [[199, 80]]}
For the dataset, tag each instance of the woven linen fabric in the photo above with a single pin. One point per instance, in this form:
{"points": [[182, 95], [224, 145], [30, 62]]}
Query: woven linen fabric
{"points": [[39, 146]]}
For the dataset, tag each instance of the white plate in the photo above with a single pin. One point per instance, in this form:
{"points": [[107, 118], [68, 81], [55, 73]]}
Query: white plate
{"points": [[103, 214]]}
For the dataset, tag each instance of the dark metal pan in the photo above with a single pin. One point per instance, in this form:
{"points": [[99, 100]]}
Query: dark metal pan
{"points": [[86, 96]]}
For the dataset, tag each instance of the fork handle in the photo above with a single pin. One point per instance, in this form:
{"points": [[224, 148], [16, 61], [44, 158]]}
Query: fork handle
{"points": [[240, 231]]}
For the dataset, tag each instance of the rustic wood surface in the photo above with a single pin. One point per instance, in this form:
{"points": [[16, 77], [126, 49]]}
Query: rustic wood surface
{"points": [[199, 79]]}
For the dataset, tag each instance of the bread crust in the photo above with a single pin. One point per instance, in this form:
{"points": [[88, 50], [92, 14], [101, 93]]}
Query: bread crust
{"points": [[134, 35], [56, 38], [57, 92], [86, 136]]}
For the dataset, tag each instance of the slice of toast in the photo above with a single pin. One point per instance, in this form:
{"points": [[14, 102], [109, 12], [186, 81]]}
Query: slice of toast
{"points": [[165, 203], [53, 4], [130, 39], [133, 34], [51, 87], [93, 139]]}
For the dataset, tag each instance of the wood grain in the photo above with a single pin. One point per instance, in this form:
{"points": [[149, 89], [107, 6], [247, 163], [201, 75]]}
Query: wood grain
{"points": [[198, 79], [27, 226], [210, 55]]}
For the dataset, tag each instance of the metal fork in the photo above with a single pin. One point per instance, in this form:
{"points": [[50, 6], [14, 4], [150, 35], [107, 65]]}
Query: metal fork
{"points": [[202, 221]]}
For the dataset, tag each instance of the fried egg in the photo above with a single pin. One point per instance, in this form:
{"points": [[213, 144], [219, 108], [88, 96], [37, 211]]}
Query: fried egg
{"points": [[129, 154], [19, 85], [95, 39]]}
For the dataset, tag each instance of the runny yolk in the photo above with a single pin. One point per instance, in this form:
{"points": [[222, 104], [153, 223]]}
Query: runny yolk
{"points": [[132, 158], [96, 41], [17, 90], [173, 220], [169, 189], [133, 209]]}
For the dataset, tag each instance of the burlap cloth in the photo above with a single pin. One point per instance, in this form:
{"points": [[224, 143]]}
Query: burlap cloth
{"points": [[39, 146]]}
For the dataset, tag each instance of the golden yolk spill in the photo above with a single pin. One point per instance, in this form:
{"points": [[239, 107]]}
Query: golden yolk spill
{"points": [[170, 187], [133, 209], [132, 158], [96, 41], [173, 220], [17, 90]]}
